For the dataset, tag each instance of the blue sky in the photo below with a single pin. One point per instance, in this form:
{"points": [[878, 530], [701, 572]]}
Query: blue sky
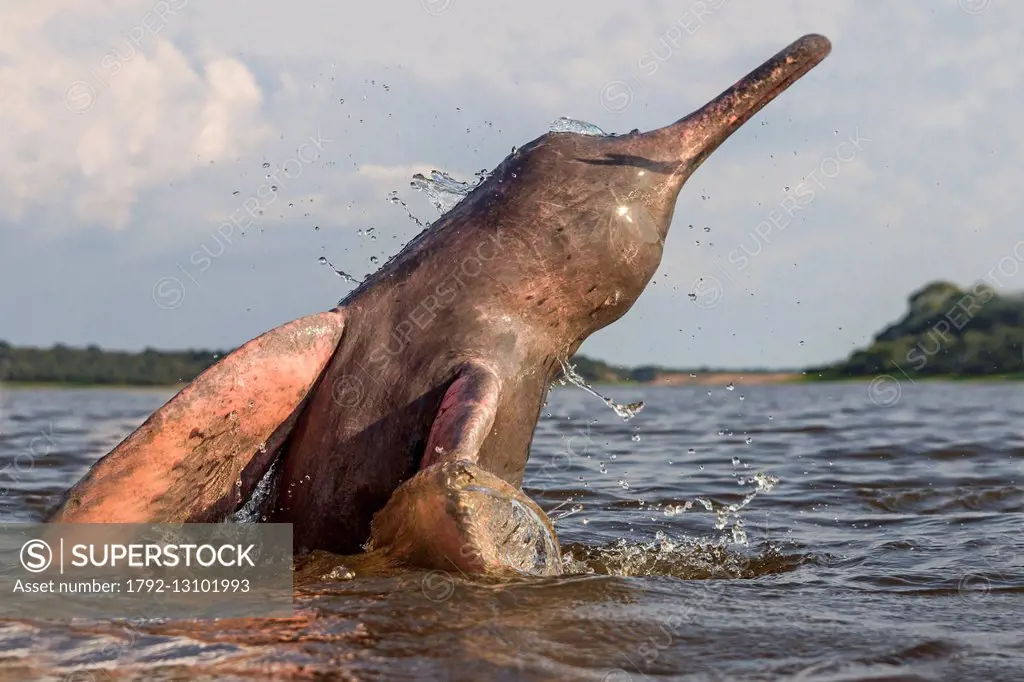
{"points": [[133, 132]]}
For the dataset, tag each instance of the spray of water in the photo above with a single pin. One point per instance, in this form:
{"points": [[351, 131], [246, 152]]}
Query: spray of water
{"points": [[572, 125], [340, 273], [443, 191], [626, 412]]}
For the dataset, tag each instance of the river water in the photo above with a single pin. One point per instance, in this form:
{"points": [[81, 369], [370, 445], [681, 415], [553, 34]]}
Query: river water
{"points": [[885, 541]]}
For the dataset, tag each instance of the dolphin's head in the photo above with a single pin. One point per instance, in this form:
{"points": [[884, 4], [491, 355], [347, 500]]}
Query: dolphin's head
{"points": [[596, 209]]}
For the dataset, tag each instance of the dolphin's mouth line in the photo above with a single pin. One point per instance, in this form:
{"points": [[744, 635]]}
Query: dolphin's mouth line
{"points": [[681, 147]]}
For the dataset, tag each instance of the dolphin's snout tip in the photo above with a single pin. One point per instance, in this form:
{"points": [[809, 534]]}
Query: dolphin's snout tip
{"points": [[814, 45], [693, 138]]}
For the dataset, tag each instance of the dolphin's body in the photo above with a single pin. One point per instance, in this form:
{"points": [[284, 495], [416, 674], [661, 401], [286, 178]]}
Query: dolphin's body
{"points": [[443, 355]]}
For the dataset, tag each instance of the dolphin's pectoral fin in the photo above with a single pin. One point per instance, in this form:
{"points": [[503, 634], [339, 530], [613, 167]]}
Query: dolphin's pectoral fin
{"points": [[199, 457], [455, 514], [465, 417]]}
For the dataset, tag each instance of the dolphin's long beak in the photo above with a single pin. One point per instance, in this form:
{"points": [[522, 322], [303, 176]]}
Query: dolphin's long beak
{"points": [[693, 138]]}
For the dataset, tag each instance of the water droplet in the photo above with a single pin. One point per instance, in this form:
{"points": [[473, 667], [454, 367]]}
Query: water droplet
{"points": [[730, 387], [735, 461], [636, 438], [691, 451], [266, 164], [374, 259], [322, 260]]}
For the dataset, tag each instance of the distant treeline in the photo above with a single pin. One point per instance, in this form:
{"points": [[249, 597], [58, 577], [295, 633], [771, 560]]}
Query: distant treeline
{"points": [[947, 332], [94, 366], [597, 371]]}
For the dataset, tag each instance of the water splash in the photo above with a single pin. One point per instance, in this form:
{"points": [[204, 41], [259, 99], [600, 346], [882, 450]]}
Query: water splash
{"points": [[569, 375], [572, 125], [253, 509], [528, 545], [395, 199], [443, 191], [685, 557], [575, 509], [764, 483], [340, 273], [674, 510]]}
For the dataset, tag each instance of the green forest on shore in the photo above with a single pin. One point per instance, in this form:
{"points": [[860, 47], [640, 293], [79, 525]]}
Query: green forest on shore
{"points": [[946, 332]]}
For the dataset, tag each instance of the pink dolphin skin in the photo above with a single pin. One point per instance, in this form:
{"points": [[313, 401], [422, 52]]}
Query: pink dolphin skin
{"points": [[432, 373]]}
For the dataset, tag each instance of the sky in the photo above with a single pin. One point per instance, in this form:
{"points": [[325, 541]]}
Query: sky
{"points": [[134, 136]]}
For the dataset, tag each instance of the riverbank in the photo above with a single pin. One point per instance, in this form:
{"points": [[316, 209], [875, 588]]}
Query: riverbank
{"points": [[723, 379], [959, 378]]}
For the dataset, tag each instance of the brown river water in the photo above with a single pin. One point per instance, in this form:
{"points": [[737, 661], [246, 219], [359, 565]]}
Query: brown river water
{"points": [[790, 532]]}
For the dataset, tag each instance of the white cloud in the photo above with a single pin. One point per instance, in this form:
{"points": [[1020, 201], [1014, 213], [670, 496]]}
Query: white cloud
{"points": [[242, 84], [87, 133]]}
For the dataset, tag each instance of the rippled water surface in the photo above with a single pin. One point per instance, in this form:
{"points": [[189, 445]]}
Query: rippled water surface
{"points": [[891, 547]]}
